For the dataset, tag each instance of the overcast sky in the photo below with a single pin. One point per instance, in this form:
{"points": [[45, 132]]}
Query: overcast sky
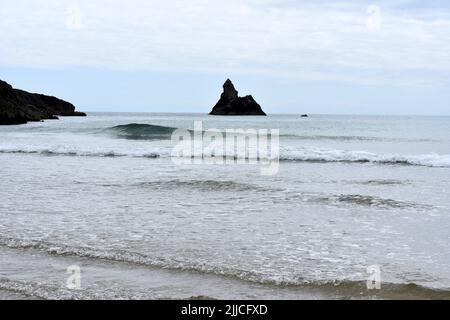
{"points": [[383, 57]]}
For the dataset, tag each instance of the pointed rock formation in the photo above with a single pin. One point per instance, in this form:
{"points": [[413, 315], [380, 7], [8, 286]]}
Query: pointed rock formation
{"points": [[18, 107], [230, 104]]}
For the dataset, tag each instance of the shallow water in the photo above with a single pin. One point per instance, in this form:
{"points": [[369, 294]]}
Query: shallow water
{"points": [[351, 192]]}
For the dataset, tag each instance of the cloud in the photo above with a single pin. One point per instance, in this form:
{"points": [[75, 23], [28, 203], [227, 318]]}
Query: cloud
{"points": [[309, 40]]}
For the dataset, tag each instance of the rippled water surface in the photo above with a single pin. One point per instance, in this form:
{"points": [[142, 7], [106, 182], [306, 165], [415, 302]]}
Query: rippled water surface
{"points": [[103, 193]]}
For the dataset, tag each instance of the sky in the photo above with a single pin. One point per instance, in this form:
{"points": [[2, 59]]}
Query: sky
{"points": [[318, 57]]}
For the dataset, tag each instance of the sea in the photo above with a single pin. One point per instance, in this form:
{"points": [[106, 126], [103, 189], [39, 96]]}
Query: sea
{"points": [[98, 208]]}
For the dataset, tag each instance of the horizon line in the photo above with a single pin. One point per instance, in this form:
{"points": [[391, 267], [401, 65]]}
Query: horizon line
{"points": [[272, 114]]}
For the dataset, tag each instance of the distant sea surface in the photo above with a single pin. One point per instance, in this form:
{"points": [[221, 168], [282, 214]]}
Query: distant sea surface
{"points": [[103, 193]]}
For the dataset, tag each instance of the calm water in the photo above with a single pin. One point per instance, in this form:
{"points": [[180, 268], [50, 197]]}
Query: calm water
{"points": [[351, 192]]}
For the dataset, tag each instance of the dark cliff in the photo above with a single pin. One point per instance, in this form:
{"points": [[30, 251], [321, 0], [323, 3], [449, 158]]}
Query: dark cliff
{"points": [[18, 106]]}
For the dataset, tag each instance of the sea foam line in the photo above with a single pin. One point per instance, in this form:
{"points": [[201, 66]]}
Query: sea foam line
{"points": [[349, 156], [302, 154], [340, 287]]}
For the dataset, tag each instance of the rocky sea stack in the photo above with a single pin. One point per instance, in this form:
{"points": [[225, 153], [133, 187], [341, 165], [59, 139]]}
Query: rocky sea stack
{"points": [[18, 107], [230, 104]]}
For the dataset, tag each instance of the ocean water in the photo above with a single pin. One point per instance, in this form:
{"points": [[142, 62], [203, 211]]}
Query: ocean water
{"points": [[102, 193]]}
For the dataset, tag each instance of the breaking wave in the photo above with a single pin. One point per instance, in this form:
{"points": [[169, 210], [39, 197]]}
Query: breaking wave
{"points": [[82, 153], [344, 156], [305, 154], [133, 258], [338, 289], [135, 131]]}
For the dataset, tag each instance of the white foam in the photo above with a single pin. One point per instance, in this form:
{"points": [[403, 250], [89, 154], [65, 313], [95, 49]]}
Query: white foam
{"points": [[303, 154], [311, 154]]}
